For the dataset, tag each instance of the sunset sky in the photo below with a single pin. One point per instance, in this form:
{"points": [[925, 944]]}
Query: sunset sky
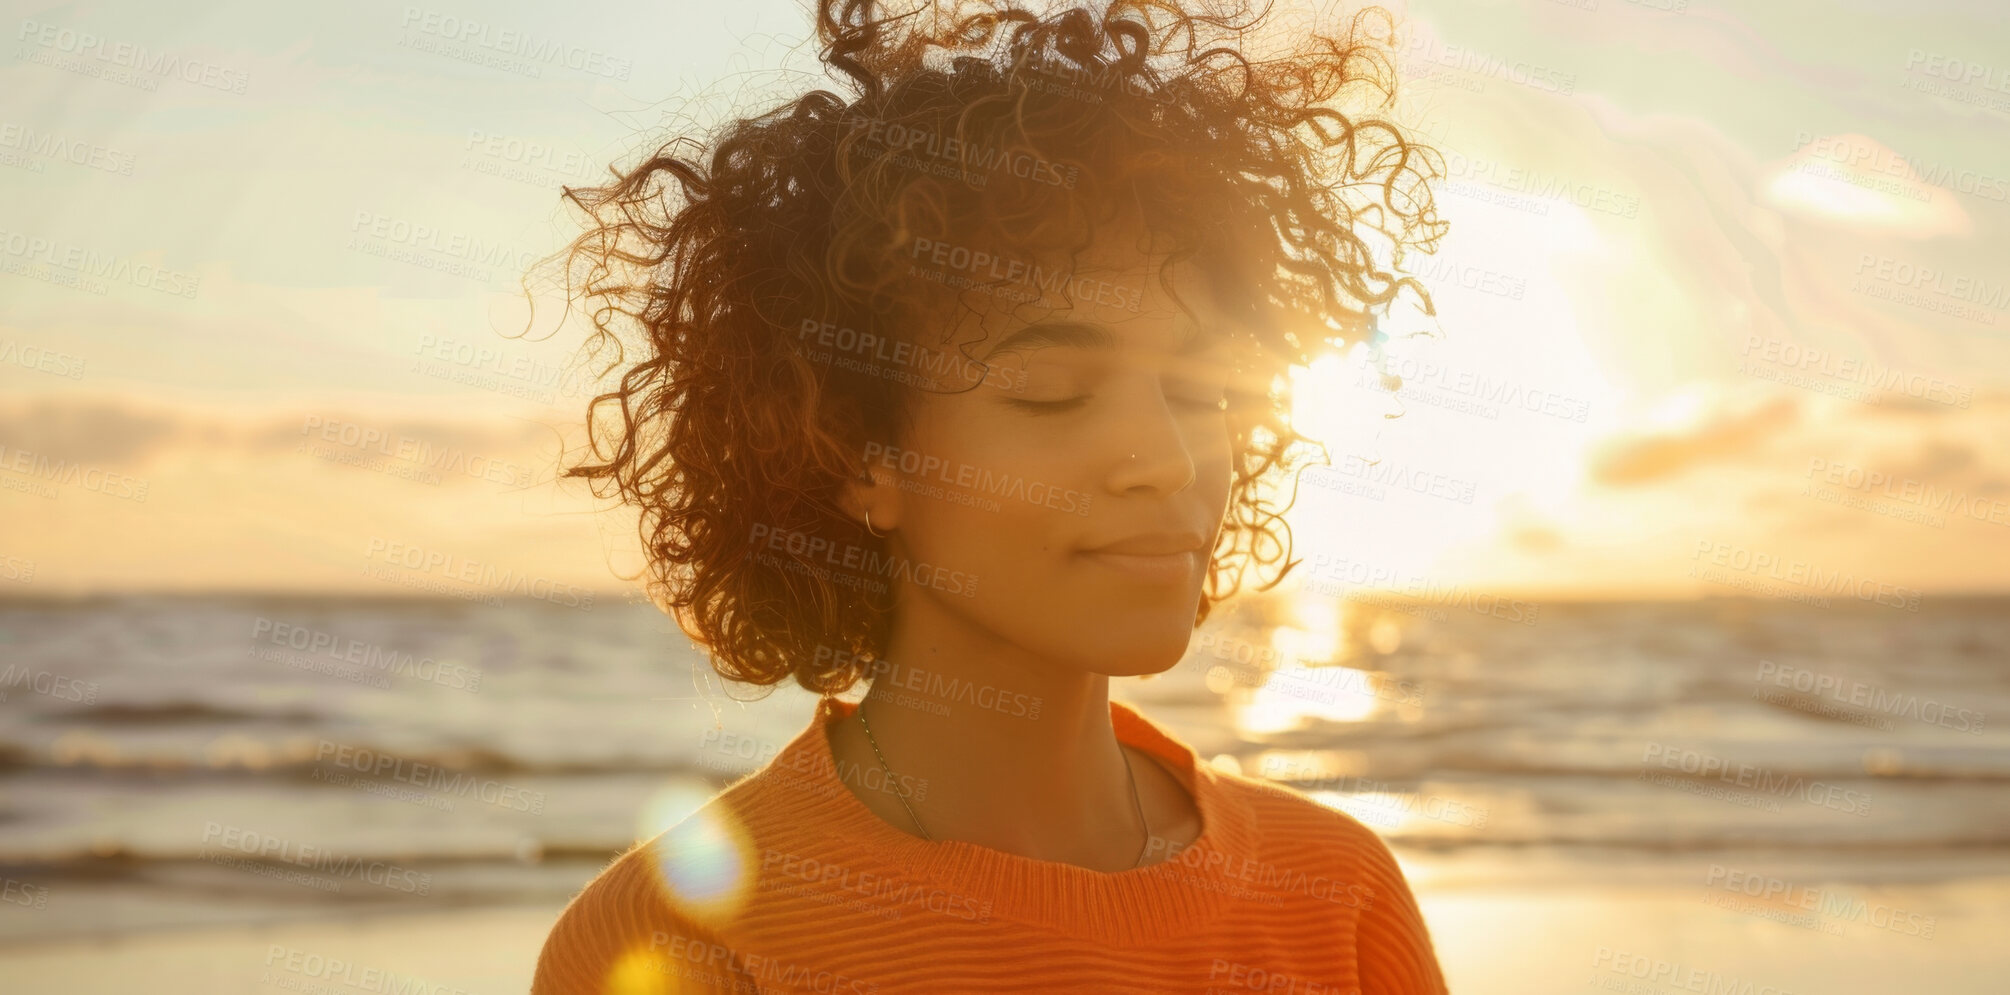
{"points": [[1722, 282]]}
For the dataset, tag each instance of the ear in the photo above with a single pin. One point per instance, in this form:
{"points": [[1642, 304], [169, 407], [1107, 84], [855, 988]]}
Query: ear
{"points": [[874, 492]]}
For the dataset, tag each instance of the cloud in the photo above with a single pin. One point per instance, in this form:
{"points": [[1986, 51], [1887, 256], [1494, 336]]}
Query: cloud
{"points": [[116, 433], [1949, 465], [1855, 180], [1721, 436], [106, 433], [1938, 460], [1535, 539]]}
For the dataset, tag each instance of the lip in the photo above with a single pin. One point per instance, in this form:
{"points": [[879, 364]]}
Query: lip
{"points": [[1159, 557], [1153, 544]]}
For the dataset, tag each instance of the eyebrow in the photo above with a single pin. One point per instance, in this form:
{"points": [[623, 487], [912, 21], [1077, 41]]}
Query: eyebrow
{"points": [[1085, 335], [1066, 334]]}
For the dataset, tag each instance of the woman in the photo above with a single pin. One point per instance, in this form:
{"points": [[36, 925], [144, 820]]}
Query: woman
{"points": [[971, 385]]}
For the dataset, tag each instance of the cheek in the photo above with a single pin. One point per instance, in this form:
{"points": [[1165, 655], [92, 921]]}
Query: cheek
{"points": [[986, 504], [999, 567], [1214, 468], [993, 516]]}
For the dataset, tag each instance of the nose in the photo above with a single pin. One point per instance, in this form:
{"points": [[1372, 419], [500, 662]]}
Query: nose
{"points": [[1150, 453]]}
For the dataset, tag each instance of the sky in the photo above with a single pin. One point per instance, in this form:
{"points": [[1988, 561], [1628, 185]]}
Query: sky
{"points": [[1724, 306]]}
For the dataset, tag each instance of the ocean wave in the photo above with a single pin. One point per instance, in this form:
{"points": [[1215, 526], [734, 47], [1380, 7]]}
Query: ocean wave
{"points": [[189, 712], [204, 750], [1911, 847], [1982, 768], [106, 860]]}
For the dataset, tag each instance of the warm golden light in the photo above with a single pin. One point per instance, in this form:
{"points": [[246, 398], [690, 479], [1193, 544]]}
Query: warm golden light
{"points": [[703, 858]]}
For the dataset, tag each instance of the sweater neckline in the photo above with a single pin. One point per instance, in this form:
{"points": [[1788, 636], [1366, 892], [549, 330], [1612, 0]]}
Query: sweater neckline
{"points": [[1170, 896]]}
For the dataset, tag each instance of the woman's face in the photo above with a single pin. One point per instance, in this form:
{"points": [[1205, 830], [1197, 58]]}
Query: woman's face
{"points": [[1081, 485]]}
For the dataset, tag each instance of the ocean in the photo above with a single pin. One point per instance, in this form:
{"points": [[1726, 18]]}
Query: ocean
{"points": [[183, 760]]}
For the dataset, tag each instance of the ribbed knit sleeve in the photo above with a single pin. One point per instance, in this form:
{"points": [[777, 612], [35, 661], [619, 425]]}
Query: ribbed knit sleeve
{"points": [[620, 936], [1391, 944]]}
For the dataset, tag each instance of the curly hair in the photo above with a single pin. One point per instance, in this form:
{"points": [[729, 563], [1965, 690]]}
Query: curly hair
{"points": [[1012, 136]]}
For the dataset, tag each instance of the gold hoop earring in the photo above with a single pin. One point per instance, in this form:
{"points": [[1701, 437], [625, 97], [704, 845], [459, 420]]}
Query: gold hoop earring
{"points": [[868, 526]]}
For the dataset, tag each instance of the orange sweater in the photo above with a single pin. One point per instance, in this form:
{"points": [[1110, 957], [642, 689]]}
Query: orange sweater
{"points": [[785, 882]]}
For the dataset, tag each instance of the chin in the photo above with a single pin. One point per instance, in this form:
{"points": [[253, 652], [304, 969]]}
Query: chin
{"points": [[1151, 646]]}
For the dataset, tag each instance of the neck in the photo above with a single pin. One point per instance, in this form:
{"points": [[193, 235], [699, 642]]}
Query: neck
{"points": [[1016, 753]]}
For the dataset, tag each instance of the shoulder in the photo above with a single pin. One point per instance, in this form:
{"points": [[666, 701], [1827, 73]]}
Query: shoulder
{"points": [[649, 921], [1285, 819], [1392, 946]]}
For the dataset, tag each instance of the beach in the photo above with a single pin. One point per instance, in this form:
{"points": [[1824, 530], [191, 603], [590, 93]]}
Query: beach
{"points": [[1560, 935]]}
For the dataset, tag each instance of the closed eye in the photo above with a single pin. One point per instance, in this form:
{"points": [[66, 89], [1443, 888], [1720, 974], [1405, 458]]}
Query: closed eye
{"points": [[1048, 407]]}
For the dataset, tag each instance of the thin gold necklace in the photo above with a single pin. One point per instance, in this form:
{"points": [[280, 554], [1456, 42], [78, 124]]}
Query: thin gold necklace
{"points": [[1130, 774]]}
